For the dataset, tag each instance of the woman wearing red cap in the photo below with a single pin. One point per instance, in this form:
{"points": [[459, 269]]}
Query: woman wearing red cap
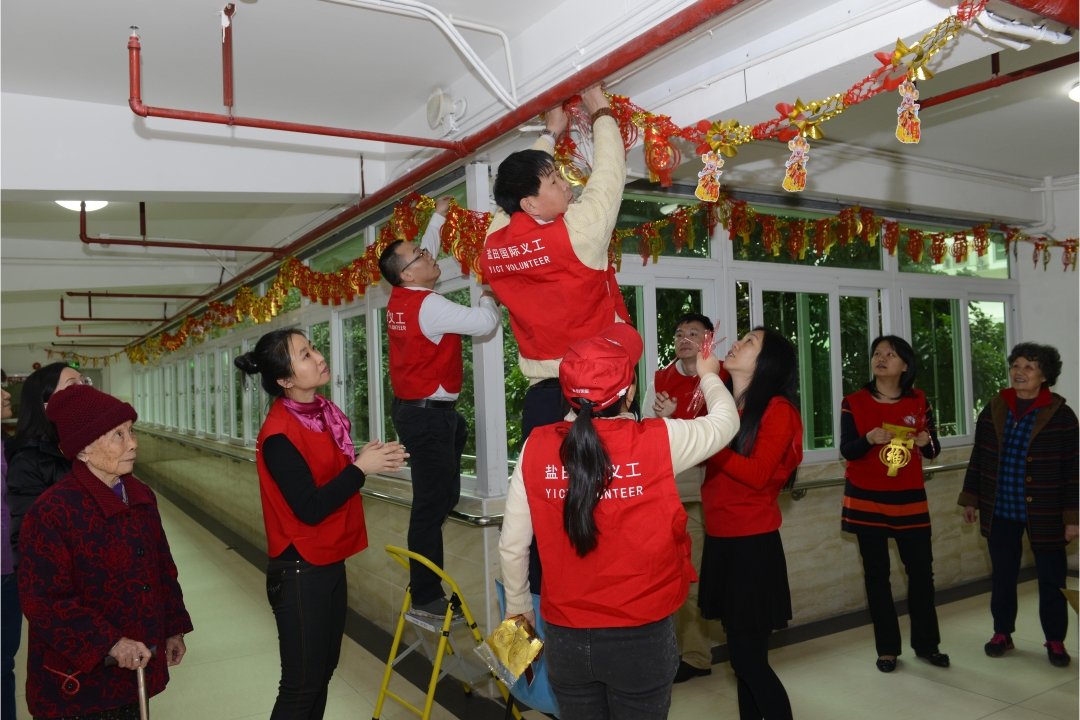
{"points": [[97, 578], [598, 491], [743, 571]]}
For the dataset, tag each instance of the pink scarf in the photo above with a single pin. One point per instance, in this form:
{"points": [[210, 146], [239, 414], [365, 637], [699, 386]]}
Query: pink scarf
{"points": [[322, 415]]}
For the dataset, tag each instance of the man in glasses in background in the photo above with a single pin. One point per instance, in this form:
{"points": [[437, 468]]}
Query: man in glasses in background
{"points": [[425, 332]]}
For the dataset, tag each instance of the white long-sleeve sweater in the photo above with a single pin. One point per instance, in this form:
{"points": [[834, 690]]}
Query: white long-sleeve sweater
{"points": [[692, 442]]}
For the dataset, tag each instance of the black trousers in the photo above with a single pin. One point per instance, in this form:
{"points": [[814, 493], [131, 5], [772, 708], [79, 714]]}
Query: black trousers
{"points": [[761, 694], [917, 555], [543, 406], [309, 604], [621, 673], [435, 440], [1006, 550]]}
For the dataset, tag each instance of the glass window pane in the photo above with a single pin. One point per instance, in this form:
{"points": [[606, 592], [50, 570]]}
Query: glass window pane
{"points": [[291, 301], [638, 209], [742, 309], [193, 396], [466, 404], [989, 352], [803, 318], [993, 264], [516, 387], [854, 254], [211, 395], [634, 299], [237, 397], [354, 334], [389, 433], [671, 304], [320, 340], [936, 342], [855, 337]]}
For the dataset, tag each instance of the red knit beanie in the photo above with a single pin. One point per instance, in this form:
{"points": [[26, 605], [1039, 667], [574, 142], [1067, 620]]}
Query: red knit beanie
{"points": [[82, 415]]}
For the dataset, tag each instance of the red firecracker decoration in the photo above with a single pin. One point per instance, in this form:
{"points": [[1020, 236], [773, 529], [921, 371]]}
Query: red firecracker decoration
{"points": [[915, 246], [938, 248]]}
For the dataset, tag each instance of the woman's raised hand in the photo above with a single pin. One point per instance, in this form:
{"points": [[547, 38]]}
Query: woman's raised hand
{"points": [[380, 457], [707, 364]]}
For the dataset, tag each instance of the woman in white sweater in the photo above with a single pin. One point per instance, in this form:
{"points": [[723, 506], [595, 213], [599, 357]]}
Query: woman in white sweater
{"points": [[598, 491]]}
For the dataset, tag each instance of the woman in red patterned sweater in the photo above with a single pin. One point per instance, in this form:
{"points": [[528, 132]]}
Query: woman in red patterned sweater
{"points": [[96, 577]]}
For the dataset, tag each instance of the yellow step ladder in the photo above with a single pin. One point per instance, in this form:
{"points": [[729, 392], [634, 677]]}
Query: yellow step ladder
{"points": [[446, 647]]}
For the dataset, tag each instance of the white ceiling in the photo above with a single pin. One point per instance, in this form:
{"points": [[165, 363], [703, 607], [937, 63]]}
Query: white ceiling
{"points": [[316, 62]]}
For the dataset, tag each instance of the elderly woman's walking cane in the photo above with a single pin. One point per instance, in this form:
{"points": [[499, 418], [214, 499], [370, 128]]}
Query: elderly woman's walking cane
{"points": [[140, 676]]}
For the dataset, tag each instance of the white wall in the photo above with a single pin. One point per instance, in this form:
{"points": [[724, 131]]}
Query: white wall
{"points": [[1050, 299]]}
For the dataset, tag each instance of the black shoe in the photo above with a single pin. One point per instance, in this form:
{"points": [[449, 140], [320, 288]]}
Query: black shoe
{"points": [[936, 659], [1055, 650], [435, 609], [998, 645], [687, 671], [886, 666]]}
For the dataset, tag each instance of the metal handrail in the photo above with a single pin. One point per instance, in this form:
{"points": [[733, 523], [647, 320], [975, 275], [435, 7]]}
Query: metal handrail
{"points": [[799, 489], [222, 450]]}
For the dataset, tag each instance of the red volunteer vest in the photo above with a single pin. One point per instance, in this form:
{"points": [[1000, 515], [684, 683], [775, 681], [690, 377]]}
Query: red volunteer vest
{"points": [[868, 472], [640, 571], [418, 366], [681, 388], [343, 532], [553, 298]]}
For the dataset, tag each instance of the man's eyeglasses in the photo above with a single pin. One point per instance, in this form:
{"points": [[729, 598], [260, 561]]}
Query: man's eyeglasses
{"points": [[423, 252]]}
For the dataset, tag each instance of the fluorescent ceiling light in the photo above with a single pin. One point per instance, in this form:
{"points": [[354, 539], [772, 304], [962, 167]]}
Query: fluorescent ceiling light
{"points": [[91, 205], [1074, 92], [668, 209]]}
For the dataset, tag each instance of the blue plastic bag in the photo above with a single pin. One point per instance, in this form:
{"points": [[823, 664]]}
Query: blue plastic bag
{"points": [[539, 695]]}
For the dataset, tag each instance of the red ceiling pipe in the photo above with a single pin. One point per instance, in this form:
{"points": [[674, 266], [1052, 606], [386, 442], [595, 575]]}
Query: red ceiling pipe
{"points": [[1000, 80], [1064, 11], [144, 242], [158, 296], [81, 334], [135, 101], [91, 318], [226, 58], [652, 39]]}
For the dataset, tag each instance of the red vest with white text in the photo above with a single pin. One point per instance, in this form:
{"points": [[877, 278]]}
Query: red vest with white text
{"points": [[640, 570], [340, 534], [554, 299], [418, 366], [868, 472], [681, 388]]}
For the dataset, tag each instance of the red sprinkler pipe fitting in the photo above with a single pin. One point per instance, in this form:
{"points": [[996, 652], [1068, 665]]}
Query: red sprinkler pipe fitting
{"points": [[226, 58], [135, 101], [677, 25], [81, 334], [91, 318], [161, 243], [999, 80]]}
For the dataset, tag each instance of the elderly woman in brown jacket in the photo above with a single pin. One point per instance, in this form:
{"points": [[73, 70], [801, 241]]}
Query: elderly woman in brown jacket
{"points": [[1022, 476]]}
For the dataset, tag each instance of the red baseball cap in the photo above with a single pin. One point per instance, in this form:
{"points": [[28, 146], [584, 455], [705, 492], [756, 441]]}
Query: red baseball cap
{"points": [[601, 369]]}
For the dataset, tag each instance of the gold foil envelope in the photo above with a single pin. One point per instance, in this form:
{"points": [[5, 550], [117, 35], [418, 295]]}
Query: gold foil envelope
{"points": [[515, 645]]}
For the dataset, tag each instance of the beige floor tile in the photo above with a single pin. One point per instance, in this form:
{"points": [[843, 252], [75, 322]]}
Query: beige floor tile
{"points": [[1018, 713], [846, 687], [1060, 702], [690, 703], [1018, 675]]}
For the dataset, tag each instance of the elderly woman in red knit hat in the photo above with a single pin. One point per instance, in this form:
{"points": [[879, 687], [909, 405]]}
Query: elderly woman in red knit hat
{"points": [[97, 578]]}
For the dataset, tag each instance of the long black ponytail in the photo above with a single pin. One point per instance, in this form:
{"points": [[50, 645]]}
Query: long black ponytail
{"points": [[776, 374], [589, 472]]}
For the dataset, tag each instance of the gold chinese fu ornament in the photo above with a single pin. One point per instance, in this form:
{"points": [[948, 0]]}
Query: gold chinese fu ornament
{"points": [[511, 650], [897, 453]]}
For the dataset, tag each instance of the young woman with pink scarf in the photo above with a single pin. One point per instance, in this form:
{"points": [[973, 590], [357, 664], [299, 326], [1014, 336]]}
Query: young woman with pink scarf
{"points": [[309, 478]]}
